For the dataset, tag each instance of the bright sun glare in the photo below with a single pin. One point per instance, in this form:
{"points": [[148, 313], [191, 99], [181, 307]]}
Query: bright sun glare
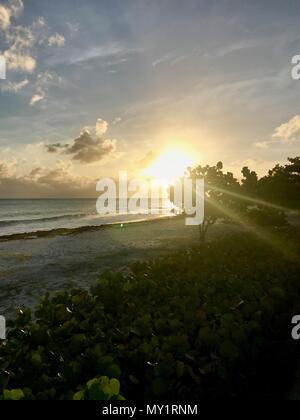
{"points": [[171, 164]]}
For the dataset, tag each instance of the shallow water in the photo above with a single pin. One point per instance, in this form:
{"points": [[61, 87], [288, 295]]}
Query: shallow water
{"points": [[22, 216]]}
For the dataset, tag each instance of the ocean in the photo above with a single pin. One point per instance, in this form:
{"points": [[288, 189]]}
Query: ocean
{"points": [[31, 215]]}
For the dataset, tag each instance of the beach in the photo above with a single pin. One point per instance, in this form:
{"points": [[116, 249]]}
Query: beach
{"points": [[31, 265]]}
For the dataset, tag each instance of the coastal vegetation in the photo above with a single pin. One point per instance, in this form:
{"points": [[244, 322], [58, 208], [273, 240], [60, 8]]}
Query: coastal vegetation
{"points": [[211, 322], [252, 200]]}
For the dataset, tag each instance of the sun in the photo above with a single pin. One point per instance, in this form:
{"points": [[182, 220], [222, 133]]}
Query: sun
{"points": [[171, 164]]}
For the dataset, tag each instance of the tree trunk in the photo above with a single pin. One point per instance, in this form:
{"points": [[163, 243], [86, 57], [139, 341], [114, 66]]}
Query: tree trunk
{"points": [[203, 228], [202, 232]]}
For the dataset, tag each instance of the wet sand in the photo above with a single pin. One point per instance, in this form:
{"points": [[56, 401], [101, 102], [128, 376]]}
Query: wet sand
{"points": [[31, 265]]}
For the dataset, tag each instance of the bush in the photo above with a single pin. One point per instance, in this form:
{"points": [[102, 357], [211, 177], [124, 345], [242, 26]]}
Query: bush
{"points": [[210, 322], [264, 216], [101, 388]]}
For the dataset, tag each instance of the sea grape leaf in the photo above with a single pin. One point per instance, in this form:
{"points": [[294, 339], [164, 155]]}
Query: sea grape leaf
{"points": [[13, 394], [78, 396]]}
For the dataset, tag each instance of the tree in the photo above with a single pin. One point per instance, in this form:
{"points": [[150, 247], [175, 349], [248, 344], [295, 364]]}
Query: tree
{"points": [[282, 184], [221, 194], [249, 182]]}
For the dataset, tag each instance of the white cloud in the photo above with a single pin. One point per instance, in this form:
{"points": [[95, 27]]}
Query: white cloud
{"points": [[16, 7], [48, 78], [73, 26], [288, 131], [39, 23], [262, 144], [43, 81], [38, 97], [56, 40], [117, 120], [19, 62], [20, 40], [5, 15], [103, 51], [101, 127], [8, 168], [165, 58], [15, 86]]}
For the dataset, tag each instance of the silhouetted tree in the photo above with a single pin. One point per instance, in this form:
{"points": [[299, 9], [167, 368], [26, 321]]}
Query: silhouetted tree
{"points": [[253, 200], [219, 203], [249, 182], [282, 184]]}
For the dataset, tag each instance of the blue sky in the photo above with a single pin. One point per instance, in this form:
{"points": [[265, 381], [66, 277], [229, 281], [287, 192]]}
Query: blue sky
{"points": [[212, 77]]}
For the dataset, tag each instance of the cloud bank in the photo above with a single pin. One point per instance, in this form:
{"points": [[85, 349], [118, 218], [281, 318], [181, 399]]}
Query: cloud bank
{"points": [[59, 181]]}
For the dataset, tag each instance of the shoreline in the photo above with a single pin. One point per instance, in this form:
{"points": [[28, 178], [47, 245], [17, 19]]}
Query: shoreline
{"points": [[75, 258], [51, 233]]}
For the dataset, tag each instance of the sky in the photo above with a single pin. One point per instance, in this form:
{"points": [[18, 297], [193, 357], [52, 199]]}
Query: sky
{"points": [[97, 86]]}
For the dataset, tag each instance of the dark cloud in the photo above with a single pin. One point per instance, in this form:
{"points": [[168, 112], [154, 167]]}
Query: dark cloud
{"points": [[35, 172], [42, 182], [85, 148], [54, 148]]}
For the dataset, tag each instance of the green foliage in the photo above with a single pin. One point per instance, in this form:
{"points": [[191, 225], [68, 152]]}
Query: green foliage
{"points": [[264, 216], [13, 395], [101, 389], [206, 323]]}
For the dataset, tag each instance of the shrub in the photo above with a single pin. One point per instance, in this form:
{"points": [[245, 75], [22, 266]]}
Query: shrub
{"points": [[210, 322], [264, 216]]}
